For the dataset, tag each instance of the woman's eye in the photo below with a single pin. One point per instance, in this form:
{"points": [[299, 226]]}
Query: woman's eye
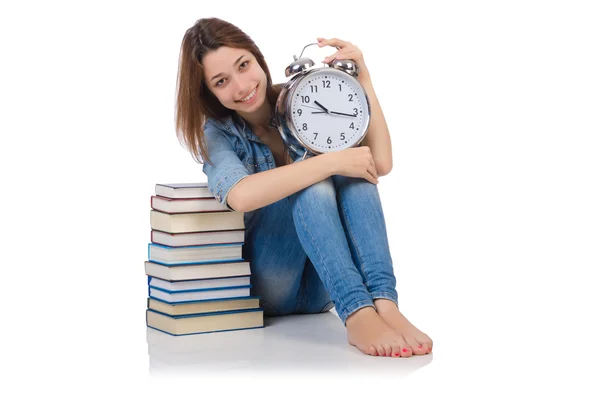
{"points": [[244, 64], [219, 82]]}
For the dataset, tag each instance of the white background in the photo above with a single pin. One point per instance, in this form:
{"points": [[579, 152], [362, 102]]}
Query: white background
{"points": [[491, 207]]}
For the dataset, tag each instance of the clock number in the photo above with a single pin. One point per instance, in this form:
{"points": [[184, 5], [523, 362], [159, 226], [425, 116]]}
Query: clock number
{"points": [[305, 99], [329, 140], [304, 126], [351, 125], [342, 136], [299, 111], [340, 86], [326, 84], [313, 88], [355, 111], [350, 98], [316, 135]]}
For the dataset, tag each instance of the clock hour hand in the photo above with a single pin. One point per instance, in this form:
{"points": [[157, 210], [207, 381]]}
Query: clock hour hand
{"points": [[321, 106], [343, 114]]}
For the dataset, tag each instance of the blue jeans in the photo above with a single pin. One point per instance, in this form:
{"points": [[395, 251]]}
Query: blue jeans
{"points": [[322, 246]]}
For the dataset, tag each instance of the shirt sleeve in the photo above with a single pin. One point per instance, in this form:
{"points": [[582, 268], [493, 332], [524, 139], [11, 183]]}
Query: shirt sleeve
{"points": [[226, 169]]}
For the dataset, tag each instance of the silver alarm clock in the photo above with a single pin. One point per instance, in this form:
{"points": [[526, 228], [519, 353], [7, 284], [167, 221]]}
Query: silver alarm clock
{"points": [[322, 109]]}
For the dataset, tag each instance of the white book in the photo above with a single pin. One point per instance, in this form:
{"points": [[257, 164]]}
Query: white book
{"points": [[182, 190], [197, 238]]}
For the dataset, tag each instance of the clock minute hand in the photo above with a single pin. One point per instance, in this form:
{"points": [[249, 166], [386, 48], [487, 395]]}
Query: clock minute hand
{"points": [[343, 114], [321, 106]]}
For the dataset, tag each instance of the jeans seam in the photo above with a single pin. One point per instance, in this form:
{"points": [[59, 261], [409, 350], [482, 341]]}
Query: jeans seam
{"points": [[348, 226], [384, 295], [355, 307], [325, 270]]}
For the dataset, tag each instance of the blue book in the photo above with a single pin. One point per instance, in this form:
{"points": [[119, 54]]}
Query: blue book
{"points": [[198, 295], [189, 324], [198, 285]]}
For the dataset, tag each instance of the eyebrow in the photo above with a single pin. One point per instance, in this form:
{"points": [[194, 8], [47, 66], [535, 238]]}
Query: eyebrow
{"points": [[235, 63]]}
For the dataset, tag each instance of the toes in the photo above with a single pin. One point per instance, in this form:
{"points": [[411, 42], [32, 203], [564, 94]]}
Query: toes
{"points": [[372, 351], [426, 342], [380, 350], [405, 350], [396, 350], [388, 349], [416, 347]]}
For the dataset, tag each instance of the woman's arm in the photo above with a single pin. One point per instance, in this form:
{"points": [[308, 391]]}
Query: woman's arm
{"points": [[264, 188], [378, 137]]}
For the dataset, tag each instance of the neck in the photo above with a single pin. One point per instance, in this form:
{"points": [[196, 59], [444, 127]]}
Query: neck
{"points": [[259, 120]]}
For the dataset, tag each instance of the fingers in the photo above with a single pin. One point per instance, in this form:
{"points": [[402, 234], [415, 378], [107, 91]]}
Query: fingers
{"points": [[339, 55], [332, 42]]}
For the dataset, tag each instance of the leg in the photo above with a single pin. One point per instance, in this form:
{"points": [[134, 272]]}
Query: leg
{"points": [[321, 233], [313, 296], [364, 223], [276, 257]]}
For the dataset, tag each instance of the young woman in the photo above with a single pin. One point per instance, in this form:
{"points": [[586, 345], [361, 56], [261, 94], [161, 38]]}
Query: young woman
{"points": [[315, 230]]}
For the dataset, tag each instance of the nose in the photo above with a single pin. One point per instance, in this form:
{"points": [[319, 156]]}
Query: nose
{"points": [[241, 87]]}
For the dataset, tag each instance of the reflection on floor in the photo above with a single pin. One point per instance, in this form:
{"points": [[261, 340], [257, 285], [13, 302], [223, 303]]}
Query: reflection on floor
{"points": [[297, 343]]}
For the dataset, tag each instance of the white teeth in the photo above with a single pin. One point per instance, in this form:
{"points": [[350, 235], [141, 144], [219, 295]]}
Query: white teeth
{"points": [[248, 97]]}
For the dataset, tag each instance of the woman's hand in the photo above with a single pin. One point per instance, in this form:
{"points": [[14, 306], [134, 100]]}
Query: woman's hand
{"points": [[356, 162], [346, 50]]}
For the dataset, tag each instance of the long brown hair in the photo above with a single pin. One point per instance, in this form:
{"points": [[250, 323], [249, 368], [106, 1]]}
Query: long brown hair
{"points": [[195, 103]]}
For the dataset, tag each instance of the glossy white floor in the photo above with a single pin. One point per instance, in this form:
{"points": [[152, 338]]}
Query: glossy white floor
{"points": [[314, 343]]}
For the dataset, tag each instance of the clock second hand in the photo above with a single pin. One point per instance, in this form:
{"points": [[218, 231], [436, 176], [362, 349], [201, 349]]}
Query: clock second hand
{"points": [[311, 107]]}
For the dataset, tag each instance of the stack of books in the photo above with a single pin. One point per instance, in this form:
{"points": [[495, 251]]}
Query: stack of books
{"points": [[198, 280]]}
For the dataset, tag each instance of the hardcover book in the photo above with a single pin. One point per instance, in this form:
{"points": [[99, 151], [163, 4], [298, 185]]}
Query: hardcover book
{"points": [[194, 254], [205, 322], [197, 270], [183, 190], [196, 221]]}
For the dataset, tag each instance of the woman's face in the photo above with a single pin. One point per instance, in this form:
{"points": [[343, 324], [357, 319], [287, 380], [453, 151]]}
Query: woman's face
{"points": [[234, 76]]}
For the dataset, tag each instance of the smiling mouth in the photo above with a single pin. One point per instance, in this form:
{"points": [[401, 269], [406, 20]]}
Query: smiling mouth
{"points": [[250, 96]]}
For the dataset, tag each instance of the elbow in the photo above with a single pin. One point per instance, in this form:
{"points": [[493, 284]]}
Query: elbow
{"points": [[383, 170], [233, 202]]}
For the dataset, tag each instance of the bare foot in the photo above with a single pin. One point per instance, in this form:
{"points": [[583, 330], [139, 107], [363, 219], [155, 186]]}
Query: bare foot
{"points": [[418, 342], [371, 335]]}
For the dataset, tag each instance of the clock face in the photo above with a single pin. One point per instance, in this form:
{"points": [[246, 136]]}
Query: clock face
{"points": [[329, 110]]}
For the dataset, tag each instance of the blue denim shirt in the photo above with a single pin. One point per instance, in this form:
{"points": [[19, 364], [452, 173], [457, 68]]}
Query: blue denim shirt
{"points": [[236, 153]]}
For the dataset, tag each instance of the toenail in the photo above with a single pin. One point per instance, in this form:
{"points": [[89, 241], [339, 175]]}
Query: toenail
{"points": [[420, 347], [405, 350], [397, 354]]}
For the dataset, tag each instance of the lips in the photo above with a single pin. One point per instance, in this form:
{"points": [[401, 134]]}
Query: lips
{"points": [[249, 97]]}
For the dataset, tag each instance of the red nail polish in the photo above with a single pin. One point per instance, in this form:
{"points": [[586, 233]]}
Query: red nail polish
{"points": [[405, 350], [397, 354]]}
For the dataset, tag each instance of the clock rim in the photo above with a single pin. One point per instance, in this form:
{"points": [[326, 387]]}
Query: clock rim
{"points": [[285, 116]]}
